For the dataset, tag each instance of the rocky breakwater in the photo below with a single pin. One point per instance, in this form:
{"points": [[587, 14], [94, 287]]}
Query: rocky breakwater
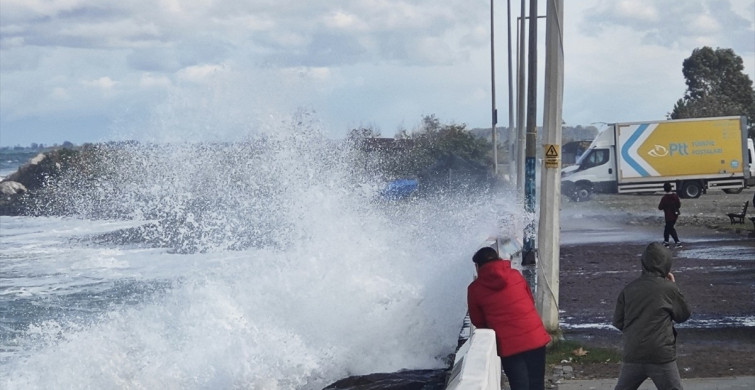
{"points": [[185, 197], [18, 188]]}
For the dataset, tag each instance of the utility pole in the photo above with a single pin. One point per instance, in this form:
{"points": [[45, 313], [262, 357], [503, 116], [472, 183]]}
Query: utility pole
{"points": [[520, 105], [548, 238], [512, 131], [530, 255], [492, 87]]}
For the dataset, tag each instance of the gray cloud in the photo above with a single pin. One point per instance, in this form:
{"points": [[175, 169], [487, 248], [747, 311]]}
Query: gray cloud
{"points": [[672, 23], [380, 62]]}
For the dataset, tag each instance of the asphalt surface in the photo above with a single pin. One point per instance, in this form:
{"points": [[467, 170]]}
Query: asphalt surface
{"points": [[726, 383]]}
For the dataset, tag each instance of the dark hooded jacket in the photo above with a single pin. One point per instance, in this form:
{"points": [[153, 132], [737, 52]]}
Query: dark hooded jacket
{"points": [[647, 309], [500, 299], [670, 204]]}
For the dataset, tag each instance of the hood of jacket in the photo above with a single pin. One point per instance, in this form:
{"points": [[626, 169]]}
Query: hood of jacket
{"points": [[656, 260], [492, 274]]}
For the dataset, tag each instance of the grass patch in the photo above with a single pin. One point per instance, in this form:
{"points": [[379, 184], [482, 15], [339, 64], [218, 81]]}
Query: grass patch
{"points": [[574, 352]]}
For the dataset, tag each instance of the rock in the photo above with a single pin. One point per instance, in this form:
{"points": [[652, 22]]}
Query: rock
{"points": [[401, 380], [18, 188], [9, 187], [12, 195], [34, 173]]}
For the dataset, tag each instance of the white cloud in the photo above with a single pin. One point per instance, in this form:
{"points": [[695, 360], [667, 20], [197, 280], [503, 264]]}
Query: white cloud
{"points": [[706, 24], [637, 10], [151, 81], [385, 62], [343, 20], [21, 9], [105, 83], [59, 93], [199, 73], [12, 42]]}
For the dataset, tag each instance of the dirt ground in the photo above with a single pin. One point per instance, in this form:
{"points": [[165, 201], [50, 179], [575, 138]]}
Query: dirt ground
{"points": [[602, 241]]}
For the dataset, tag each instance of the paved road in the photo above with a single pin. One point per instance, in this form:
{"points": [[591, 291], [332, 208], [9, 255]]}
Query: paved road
{"points": [[729, 383]]}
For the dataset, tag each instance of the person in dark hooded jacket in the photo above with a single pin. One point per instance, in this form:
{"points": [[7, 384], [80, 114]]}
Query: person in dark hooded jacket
{"points": [[500, 299], [645, 314], [670, 205]]}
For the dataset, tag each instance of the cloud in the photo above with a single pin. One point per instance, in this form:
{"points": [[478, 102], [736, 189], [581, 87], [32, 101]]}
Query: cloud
{"points": [[30, 9], [199, 73], [59, 93], [151, 81], [14, 59], [344, 21], [104, 83], [385, 62], [671, 23]]}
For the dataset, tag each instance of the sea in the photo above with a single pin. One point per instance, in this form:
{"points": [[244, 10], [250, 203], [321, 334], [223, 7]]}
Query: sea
{"points": [[266, 263], [11, 159]]}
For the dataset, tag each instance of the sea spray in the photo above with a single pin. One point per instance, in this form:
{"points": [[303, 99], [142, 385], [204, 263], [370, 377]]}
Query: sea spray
{"points": [[279, 268]]}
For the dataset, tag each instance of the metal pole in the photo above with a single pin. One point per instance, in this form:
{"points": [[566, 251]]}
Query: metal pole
{"points": [[548, 238], [520, 104], [494, 113], [512, 131]]}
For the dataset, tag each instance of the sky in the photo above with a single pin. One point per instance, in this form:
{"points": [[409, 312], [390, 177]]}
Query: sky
{"points": [[184, 70]]}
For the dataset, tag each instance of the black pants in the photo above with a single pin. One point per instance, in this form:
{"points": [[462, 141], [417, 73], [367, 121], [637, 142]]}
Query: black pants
{"points": [[526, 370], [669, 230], [664, 376]]}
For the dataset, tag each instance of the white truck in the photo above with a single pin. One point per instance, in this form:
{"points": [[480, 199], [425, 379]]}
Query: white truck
{"points": [[694, 155]]}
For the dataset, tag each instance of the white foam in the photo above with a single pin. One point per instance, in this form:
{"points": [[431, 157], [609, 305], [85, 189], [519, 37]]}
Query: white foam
{"points": [[341, 284]]}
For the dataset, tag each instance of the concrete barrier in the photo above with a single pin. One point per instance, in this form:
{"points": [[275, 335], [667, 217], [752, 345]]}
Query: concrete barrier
{"points": [[477, 365]]}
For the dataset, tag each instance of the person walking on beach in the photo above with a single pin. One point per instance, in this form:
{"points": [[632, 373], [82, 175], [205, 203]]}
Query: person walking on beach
{"points": [[500, 299], [670, 204], [645, 314]]}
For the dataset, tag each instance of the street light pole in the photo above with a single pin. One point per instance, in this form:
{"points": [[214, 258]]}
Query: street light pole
{"points": [[520, 104], [512, 131], [521, 134], [494, 112]]}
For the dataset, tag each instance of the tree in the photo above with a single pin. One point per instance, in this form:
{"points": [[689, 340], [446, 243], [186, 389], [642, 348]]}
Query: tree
{"points": [[362, 133], [409, 153], [435, 140], [716, 86]]}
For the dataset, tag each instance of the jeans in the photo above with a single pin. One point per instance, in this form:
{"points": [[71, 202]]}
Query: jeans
{"points": [[670, 230], [526, 370], [665, 376]]}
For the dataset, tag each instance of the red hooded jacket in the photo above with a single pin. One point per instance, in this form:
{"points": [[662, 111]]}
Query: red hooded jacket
{"points": [[500, 299]]}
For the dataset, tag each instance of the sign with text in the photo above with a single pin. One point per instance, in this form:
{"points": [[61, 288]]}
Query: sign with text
{"points": [[552, 156]]}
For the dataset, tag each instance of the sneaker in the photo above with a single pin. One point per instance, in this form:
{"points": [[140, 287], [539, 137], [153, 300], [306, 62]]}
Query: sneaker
{"points": [[665, 243], [678, 245]]}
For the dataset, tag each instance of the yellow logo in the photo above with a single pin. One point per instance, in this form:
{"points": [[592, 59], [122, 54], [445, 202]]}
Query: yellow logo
{"points": [[658, 151]]}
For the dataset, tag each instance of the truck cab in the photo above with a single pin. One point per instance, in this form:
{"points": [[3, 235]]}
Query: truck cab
{"points": [[751, 160], [594, 171]]}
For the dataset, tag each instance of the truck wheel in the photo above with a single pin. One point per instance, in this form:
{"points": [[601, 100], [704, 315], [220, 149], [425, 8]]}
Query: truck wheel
{"points": [[582, 194], [733, 191], [692, 190]]}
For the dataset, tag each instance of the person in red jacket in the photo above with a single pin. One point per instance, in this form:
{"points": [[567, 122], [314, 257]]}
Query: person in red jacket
{"points": [[500, 299], [670, 205]]}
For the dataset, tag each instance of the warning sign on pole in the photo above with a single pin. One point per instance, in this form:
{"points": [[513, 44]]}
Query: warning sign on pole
{"points": [[552, 158]]}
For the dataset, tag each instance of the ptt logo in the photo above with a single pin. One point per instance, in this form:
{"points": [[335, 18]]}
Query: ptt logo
{"points": [[662, 151]]}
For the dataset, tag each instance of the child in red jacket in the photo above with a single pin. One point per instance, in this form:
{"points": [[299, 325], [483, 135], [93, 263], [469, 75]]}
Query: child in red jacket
{"points": [[500, 299]]}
